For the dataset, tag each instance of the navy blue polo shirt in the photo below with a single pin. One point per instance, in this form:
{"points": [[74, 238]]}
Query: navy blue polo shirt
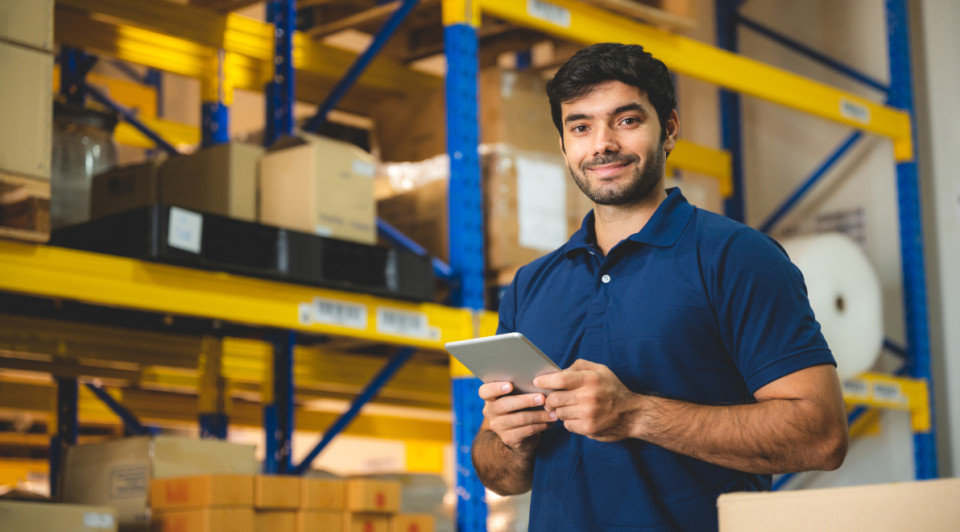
{"points": [[694, 307]]}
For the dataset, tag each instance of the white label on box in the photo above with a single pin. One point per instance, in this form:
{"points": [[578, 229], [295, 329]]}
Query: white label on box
{"points": [[854, 111], [323, 230], [185, 230], [128, 481], [403, 323], [364, 168], [541, 204], [98, 520], [551, 13], [333, 312]]}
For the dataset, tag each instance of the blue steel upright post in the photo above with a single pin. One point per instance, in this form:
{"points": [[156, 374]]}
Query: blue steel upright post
{"points": [[215, 109], [730, 113], [279, 92], [465, 205], [68, 396], [911, 234], [278, 407]]}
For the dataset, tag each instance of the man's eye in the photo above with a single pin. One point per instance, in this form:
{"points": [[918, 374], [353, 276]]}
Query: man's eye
{"points": [[578, 129], [630, 121]]}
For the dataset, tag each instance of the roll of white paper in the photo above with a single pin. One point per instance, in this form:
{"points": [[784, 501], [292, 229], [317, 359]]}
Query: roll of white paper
{"points": [[845, 295]]}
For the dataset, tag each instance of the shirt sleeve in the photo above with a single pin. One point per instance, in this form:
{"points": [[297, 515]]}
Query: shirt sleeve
{"points": [[765, 318], [508, 308]]}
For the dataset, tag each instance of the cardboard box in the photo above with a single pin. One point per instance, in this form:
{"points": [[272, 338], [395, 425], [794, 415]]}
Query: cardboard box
{"points": [[276, 492], [514, 110], [531, 207], [28, 23], [412, 523], [924, 505], [322, 494], [367, 495], [205, 520], [125, 188], [200, 491], [314, 521], [221, 179], [118, 472], [26, 110], [17, 516], [274, 521], [360, 522], [319, 185]]}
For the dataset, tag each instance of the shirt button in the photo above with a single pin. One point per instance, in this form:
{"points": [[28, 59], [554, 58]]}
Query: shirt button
{"points": [[605, 278]]}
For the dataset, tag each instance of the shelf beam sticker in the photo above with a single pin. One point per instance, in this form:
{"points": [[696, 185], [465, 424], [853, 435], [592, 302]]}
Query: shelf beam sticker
{"points": [[333, 312], [889, 392], [552, 13], [398, 322], [854, 111]]}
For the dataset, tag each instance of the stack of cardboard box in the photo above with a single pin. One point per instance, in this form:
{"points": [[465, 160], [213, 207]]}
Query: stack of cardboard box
{"points": [[23, 516], [272, 503], [307, 183]]}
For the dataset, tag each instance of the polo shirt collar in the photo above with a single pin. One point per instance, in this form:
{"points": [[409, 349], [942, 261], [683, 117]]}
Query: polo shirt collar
{"points": [[662, 230]]}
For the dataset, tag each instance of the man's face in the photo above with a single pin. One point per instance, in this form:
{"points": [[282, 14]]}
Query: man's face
{"points": [[611, 142]]}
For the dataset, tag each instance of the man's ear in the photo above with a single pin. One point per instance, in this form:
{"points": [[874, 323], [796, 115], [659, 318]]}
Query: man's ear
{"points": [[672, 126], [563, 149]]}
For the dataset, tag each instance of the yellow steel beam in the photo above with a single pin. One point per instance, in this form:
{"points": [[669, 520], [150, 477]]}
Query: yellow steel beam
{"points": [[704, 160], [588, 24], [107, 280], [169, 361], [180, 135], [188, 32], [895, 393], [16, 470]]}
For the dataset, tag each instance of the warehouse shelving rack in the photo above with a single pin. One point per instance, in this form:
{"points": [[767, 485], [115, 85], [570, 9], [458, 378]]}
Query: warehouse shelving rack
{"points": [[738, 75], [242, 49]]}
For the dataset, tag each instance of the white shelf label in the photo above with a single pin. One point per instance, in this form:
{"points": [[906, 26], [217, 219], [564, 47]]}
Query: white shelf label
{"points": [[551, 13], [184, 230], [889, 392], [854, 111], [333, 312], [404, 323], [98, 520], [856, 388]]}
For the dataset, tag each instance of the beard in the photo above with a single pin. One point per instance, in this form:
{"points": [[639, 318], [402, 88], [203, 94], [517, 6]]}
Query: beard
{"points": [[644, 180]]}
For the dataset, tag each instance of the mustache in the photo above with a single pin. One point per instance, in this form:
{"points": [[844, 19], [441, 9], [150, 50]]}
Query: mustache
{"points": [[613, 158]]}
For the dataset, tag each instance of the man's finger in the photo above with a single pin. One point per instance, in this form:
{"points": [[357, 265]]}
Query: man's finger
{"points": [[513, 403], [567, 379], [492, 390], [560, 399]]}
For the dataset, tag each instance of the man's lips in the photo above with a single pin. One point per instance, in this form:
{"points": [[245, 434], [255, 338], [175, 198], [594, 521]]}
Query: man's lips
{"points": [[607, 170]]}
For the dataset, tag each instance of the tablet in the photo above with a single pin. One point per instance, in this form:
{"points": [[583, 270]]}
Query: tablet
{"points": [[507, 357]]}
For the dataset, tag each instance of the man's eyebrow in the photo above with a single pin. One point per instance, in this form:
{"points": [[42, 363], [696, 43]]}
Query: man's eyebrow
{"points": [[573, 117], [632, 106]]}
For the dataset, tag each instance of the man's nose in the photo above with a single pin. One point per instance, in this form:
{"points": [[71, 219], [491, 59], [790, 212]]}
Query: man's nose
{"points": [[606, 141]]}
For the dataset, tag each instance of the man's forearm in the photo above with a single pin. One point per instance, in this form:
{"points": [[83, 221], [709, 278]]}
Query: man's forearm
{"points": [[501, 469], [774, 436]]}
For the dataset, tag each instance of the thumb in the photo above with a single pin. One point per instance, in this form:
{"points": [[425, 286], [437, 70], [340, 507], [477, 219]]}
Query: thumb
{"points": [[584, 365]]}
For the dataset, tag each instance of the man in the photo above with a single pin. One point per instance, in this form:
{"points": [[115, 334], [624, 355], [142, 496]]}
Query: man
{"points": [[694, 365]]}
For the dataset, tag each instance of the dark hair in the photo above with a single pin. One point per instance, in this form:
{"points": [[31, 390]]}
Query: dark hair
{"points": [[599, 63]]}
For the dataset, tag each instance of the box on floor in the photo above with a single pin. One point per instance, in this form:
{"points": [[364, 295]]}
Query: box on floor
{"points": [[118, 472], [923, 505], [21, 516]]}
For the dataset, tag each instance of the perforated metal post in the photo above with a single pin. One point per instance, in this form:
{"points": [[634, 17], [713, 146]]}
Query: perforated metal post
{"points": [[215, 110], [465, 205], [911, 234], [278, 407], [730, 113], [279, 92], [68, 395]]}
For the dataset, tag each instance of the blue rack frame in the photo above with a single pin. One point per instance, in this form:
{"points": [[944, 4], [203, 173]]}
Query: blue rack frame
{"points": [[900, 95]]}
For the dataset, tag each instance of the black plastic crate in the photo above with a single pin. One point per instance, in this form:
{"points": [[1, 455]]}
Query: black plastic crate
{"points": [[185, 237]]}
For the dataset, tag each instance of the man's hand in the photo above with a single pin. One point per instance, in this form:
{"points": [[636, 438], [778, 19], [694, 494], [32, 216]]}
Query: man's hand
{"points": [[517, 428], [591, 401]]}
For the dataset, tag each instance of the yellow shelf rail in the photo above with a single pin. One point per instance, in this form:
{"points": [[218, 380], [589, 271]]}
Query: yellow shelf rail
{"points": [[896, 393], [587, 24], [115, 281]]}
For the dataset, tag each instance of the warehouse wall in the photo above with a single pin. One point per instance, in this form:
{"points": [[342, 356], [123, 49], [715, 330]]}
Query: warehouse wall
{"points": [[939, 135]]}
